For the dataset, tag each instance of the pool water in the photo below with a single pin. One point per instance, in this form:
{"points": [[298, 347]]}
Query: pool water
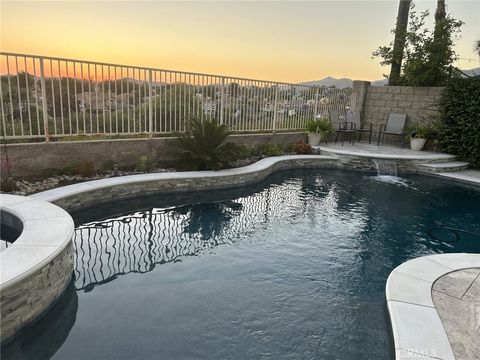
{"points": [[292, 268]]}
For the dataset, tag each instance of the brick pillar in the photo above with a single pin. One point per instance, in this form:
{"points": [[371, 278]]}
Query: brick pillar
{"points": [[359, 95]]}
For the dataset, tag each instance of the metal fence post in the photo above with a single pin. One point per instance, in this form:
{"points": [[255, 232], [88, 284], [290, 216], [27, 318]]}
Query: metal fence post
{"points": [[44, 101], [316, 102], [274, 125], [221, 100], [150, 104]]}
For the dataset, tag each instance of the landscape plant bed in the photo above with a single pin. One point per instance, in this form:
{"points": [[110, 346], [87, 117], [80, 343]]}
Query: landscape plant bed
{"points": [[25, 187], [238, 156]]}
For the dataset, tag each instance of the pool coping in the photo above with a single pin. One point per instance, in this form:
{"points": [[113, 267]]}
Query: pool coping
{"points": [[36, 268], [423, 155], [253, 169], [47, 230], [418, 331]]}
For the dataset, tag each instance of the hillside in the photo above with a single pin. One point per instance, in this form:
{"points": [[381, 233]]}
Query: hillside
{"points": [[346, 83]]}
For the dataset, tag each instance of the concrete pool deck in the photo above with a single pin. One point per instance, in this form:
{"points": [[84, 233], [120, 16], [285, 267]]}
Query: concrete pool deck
{"points": [[443, 165], [381, 152], [427, 321], [457, 299]]}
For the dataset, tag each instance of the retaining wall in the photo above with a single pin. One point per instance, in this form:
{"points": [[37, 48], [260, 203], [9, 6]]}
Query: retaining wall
{"points": [[31, 160], [84, 195]]}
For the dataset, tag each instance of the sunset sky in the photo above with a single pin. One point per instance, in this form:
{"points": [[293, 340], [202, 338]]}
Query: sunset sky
{"points": [[286, 41]]}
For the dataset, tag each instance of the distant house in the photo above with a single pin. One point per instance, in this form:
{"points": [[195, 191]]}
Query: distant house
{"points": [[268, 106], [209, 107], [102, 101]]}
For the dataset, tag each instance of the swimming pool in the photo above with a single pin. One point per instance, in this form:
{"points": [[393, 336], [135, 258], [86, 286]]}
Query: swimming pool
{"points": [[291, 268]]}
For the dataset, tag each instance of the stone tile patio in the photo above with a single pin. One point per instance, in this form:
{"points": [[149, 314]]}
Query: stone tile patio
{"points": [[457, 299]]}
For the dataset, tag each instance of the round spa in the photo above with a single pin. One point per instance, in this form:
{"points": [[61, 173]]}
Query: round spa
{"points": [[36, 261]]}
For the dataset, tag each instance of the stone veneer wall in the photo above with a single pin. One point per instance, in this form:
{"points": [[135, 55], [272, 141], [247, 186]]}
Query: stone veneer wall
{"points": [[27, 300], [375, 103], [367, 165], [133, 190], [29, 160]]}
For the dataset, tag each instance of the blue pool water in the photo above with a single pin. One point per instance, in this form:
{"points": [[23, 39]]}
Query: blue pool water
{"points": [[292, 268]]}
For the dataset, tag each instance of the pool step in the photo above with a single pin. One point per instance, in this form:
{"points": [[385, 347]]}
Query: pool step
{"points": [[441, 167], [467, 176]]}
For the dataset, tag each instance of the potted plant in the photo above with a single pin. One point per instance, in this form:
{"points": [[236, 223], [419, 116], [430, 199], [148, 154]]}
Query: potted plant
{"points": [[418, 136], [318, 130]]}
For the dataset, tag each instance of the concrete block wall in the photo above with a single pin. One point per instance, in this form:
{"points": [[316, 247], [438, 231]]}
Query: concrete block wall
{"points": [[419, 103]]}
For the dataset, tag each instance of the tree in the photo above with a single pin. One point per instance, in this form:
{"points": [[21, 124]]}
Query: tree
{"points": [[428, 55], [440, 15], [399, 42], [476, 47]]}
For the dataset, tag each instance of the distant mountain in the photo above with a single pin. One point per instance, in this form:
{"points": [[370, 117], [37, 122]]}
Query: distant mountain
{"points": [[330, 81], [472, 72], [347, 83], [467, 73], [382, 82]]}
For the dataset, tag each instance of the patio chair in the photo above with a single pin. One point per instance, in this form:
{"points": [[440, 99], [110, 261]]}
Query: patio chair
{"points": [[341, 127], [395, 126], [361, 128]]}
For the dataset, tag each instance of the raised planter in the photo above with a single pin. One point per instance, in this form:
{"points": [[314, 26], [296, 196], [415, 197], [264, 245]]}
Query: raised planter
{"points": [[90, 193]]}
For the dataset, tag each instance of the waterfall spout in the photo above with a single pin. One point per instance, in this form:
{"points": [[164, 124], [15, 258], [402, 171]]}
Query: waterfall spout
{"points": [[385, 167]]}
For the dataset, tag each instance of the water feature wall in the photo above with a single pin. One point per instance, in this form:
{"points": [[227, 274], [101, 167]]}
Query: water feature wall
{"points": [[385, 167]]}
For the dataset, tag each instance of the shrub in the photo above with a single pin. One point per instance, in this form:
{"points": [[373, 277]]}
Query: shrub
{"points": [[67, 170], [421, 131], [270, 149], [144, 164], [321, 126], [49, 172], [85, 169], [460, 119], [235, 152], [301, 148], [204, 146], [108, 165], [7, 184]]}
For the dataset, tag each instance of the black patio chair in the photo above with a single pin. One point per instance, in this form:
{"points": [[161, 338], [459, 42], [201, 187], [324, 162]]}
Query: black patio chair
{"points": [[361, 128], [341, 127], [395, 126]]}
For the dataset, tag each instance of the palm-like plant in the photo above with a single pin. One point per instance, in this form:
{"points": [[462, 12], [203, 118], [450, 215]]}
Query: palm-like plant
{"points": [[203, 146]]}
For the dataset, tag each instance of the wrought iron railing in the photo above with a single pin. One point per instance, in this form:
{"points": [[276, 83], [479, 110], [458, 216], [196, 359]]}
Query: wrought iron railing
{"points": [[43, 97], [138, 242]]}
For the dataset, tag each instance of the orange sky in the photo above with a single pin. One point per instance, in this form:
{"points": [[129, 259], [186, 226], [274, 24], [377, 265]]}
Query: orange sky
{"points": [[285, 41]]}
